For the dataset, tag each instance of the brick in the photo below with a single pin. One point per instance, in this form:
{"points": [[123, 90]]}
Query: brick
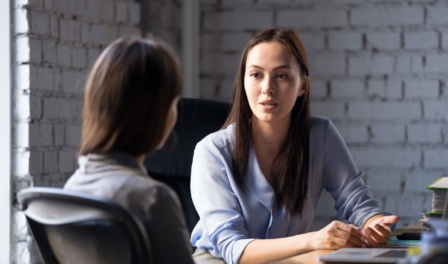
{"points": [[435, 110], [370, 65], [383, 40], [333, 110], [132, 31], [121, 11], [387, 133], [35, 50], [59, 135], [437, 63], [421, 40], [437, 15], [50, 161], [100, 9], [40, 135], [409, 204], [72, 82], [345, 40], [387, 16], [73, 135], [66, 160], [255, 20], [41, 78], [327, 65], [390, 111], [49, 51], [92, 55], [416, 89], [384, 88], [70, 30], [54, 26], [39, 23], [322, 18], [134, 13], [319, 89], [35, 107], [354, 133], [79, 57], [76, 109], [53, 108], [376, 181], [313, 41], [424, 133], [409, 64], [234, 41], [64, 55], [417, 180], [99, 34], [347, 88], [435, 158], [445, 40], [386, 158]]}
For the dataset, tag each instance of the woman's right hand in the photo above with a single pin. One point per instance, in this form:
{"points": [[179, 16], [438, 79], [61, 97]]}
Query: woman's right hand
{"points": [[338, 235]]}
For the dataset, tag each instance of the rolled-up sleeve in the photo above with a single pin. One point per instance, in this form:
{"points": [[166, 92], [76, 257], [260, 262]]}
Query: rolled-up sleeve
{"points": [[353, 200], [221, 229]]}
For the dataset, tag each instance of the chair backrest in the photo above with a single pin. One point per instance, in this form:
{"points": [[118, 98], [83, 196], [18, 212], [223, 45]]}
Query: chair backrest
{"points": [[172, 164], [73, 227]]}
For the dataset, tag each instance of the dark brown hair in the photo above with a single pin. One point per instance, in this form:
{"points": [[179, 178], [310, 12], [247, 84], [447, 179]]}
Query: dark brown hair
{"points": [[290, 168], [128, 95]]}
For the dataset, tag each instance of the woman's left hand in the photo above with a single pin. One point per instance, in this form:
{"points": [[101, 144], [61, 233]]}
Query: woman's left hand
{"points": [[377, 229]]}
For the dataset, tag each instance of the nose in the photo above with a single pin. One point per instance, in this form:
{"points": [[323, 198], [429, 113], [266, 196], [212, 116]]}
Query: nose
{"points": [[267, 86]]}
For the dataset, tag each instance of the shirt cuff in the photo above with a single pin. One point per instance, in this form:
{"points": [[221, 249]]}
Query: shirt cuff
{"points": [[238, 249]]}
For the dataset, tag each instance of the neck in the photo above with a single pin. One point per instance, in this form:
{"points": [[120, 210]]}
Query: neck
{"points": [[270, 133]]}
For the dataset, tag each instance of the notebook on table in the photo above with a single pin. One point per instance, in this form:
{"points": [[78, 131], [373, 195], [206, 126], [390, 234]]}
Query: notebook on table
{"points": [[364, 255]]}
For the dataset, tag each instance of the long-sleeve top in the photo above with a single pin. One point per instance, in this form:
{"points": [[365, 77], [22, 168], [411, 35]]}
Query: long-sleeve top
{"points": [[119, 177], [230, 218]]}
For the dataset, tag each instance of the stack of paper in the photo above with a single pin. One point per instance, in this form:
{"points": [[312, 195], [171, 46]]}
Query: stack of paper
{"points": [[439, 190]]}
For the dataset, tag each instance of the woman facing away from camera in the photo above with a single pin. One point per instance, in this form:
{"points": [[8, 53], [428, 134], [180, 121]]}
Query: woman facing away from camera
{"points": [[130, 108], [256, 182]]}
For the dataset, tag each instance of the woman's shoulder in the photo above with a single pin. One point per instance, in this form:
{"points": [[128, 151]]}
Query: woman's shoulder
{"points": [[319, 123], [220, 139]]}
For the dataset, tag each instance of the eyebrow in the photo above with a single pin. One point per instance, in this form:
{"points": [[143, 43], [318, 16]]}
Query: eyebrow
{"points": [[276, 68]]}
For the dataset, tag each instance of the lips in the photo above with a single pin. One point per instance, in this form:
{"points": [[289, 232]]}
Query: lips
{"points": [[268, 105]]}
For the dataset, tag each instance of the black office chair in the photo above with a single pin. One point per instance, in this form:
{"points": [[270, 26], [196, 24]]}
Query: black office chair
{"points": [[172, 165], [73, 227]]}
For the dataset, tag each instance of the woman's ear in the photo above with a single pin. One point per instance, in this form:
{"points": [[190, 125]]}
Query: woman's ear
{"points": [[302, 87]]}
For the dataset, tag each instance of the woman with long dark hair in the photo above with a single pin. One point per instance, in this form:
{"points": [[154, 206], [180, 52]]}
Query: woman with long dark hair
{"points": [[256, 182]]}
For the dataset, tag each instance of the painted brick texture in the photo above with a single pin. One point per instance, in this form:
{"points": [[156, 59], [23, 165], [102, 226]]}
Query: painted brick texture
{"points": [[56, 43]]}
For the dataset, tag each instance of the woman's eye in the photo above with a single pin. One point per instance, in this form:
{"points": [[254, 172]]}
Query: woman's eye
{"points": [[255, 75], [282, 76]]}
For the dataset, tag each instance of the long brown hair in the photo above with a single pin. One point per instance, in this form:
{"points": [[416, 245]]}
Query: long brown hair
{"points": [[290, 167], [128, 95]]}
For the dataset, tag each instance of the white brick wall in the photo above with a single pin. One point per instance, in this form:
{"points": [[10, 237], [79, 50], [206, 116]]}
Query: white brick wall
{"points": [[56, 44], [378, 71]]}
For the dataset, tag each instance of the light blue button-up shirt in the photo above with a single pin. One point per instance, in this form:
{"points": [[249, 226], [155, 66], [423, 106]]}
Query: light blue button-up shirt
{"points": [[231, 218]]}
